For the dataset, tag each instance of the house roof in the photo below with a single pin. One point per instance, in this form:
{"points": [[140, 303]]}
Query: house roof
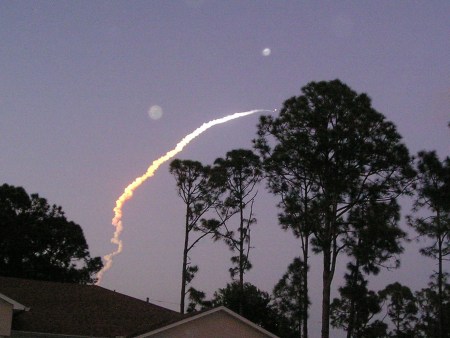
{"points": [[16, 306], [197, 315], [85, 310]]}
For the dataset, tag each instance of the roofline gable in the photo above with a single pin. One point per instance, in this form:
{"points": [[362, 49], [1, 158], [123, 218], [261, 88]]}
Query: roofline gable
{"points": [[207, 313], [16, 305]]}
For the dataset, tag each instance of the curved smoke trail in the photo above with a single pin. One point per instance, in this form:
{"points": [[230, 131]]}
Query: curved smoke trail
{"points": [[128, 192]]}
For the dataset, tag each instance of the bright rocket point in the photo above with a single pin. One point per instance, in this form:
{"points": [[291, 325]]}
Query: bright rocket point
{"points": [[128, 192]]}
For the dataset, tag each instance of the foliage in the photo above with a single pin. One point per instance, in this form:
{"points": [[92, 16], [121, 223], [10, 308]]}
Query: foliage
{"points": [[347, 153], [256, 305], [196, 297], [237, 176], [429, 304], [289, 296], [38, 242], [297, 196], [401, 309], [433, 196], [192, 180], [375, 238], [355, 309]]}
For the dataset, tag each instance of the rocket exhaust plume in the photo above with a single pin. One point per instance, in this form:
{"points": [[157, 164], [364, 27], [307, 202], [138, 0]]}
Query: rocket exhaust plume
{"points": [[128, 192]]}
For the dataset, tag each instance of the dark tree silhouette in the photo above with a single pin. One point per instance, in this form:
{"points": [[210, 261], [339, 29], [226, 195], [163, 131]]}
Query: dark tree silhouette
{"points": [[289, 296], [256, 306], [356, 308], [430, 304], [347, 153], [401, 309], [192, 185], [38, 242], [237, 175], [433, 197], [297, 196], [372, 242]]}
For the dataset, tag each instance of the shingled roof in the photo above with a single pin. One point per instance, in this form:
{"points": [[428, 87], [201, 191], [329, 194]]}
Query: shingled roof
{"points": [[85, 310]]}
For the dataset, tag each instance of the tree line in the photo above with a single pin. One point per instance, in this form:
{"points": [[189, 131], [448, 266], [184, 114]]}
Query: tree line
{"points": [[338, 169], [37, 241]]}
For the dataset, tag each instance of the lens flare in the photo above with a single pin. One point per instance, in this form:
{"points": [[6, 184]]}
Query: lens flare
{"points": [[129, 190]]}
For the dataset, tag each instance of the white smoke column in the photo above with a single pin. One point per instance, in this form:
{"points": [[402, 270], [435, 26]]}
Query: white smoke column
{"points": [[128, 192]]}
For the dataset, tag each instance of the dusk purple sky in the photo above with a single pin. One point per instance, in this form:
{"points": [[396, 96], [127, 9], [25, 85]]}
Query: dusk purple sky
{"points": [[77, 80]]}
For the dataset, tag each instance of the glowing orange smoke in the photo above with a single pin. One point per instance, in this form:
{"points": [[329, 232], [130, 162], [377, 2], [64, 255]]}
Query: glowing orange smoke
{"points": [[128, 192]]}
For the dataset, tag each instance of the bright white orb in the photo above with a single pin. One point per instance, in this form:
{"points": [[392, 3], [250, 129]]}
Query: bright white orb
{"points": [[266, 52], [155, 112]]}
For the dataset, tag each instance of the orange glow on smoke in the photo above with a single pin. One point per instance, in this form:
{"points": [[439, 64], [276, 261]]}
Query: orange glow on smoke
{"points": [[128, 192]]}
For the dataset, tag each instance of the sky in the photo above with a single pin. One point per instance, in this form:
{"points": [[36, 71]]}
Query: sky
{"points": [[79, 82]]}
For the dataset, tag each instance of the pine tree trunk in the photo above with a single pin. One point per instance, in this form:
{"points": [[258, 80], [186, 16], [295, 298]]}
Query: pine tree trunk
{"points": [[305, 289], [184, 266], [351, 316], [354, 282], [241, 260], [183, 283], [305, 248], [326, 280], [440, 291]]}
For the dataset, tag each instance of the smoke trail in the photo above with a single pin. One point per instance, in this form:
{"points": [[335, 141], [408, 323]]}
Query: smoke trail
{"points": [[128, 192]]}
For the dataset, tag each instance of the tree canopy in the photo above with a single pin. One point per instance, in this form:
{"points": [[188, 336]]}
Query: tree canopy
{"points": [[237, 175], [338, 167], [256, 306], [38, 242], [192, 184], [346, 154], [432, 216], [289, 298]]}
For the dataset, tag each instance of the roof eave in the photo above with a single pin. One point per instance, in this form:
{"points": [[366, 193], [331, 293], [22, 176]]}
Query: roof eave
{"points": [[206, 313], [16, 305]]}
